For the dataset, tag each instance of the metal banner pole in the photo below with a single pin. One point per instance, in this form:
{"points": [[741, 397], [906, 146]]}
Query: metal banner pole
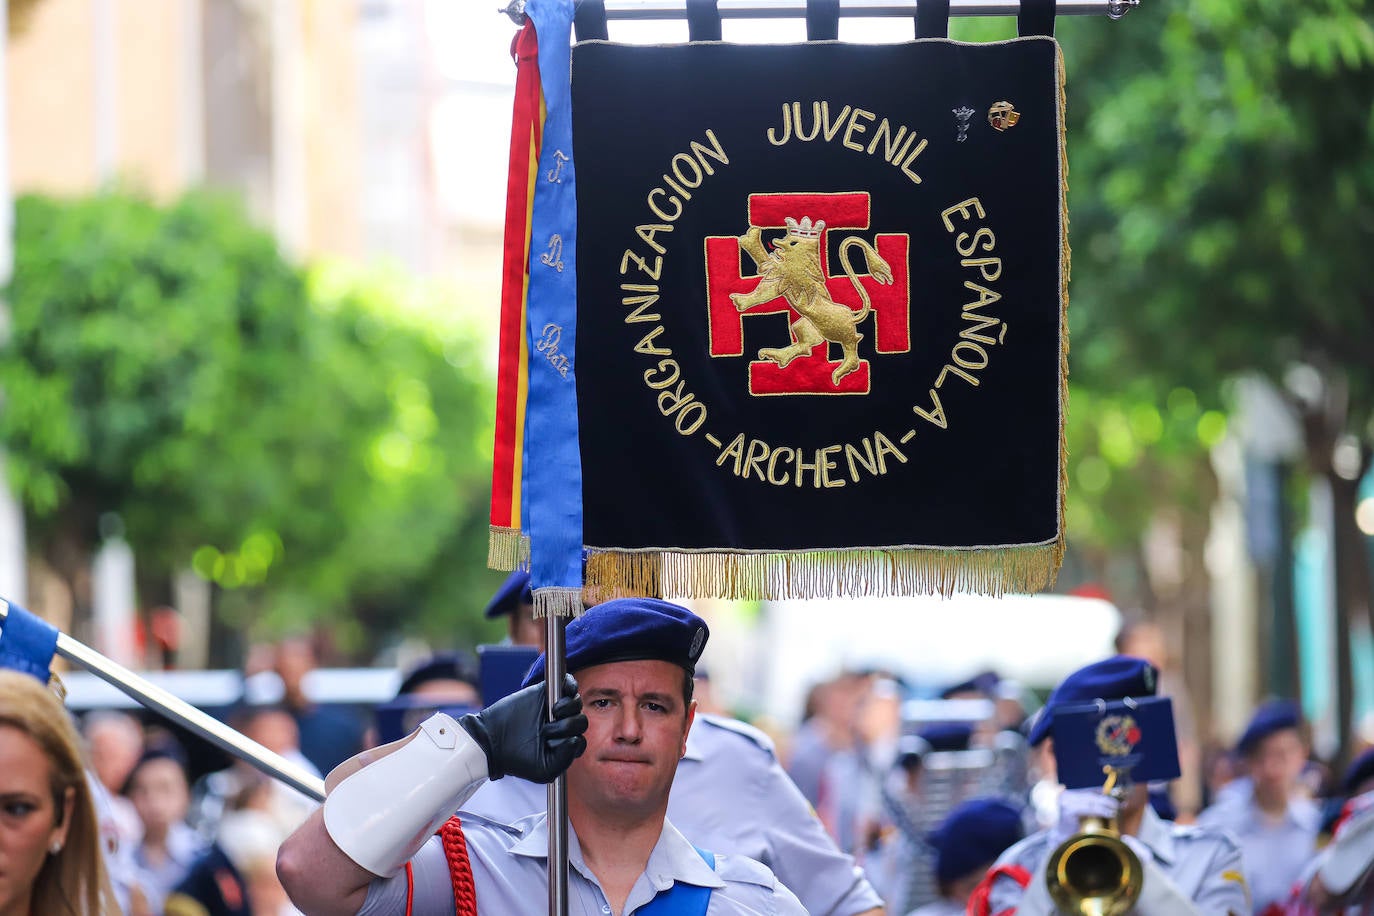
{"points": [[558, 790], [796, 9], [183, 713]]}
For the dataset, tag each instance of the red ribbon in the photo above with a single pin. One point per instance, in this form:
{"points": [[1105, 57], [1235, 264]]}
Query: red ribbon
{"points": [[526, 132]]}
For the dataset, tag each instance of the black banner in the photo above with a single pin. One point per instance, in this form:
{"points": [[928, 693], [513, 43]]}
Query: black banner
{"points": [[821, 333]]}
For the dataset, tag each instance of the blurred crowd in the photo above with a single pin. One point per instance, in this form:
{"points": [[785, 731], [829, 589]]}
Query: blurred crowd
{"points": [[924, 790]]}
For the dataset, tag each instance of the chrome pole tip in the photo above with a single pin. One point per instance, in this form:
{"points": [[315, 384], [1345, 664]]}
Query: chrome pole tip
{"points": [[516, 11], [1116, 9]]}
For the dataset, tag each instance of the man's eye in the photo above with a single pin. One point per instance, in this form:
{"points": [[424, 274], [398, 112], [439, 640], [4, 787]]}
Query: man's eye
{"points": [[19, 809], [601, 703], [655, 707]]}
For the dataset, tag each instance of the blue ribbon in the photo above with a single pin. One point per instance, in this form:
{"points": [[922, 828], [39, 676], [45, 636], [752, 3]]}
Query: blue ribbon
{"points": [[27, 643], [552, 487], [682, 899]]}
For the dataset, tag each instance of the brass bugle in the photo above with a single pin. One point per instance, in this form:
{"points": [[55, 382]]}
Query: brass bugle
{"points": [[1094, 872]]}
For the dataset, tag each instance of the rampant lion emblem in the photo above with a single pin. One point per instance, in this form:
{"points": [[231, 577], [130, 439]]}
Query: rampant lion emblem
{"points": [[793, 270]]}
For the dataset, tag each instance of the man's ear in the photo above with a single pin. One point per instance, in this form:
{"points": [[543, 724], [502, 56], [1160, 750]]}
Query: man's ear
{"points": [[691, 717]]}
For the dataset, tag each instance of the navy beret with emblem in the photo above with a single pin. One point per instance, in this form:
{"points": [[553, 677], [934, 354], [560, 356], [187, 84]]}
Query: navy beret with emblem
{"points": [[973, 836], [631, 629], [1272, 716], [1114, 678], [514, 592]]}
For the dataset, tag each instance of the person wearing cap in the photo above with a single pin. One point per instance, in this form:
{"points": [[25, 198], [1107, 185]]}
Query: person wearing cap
{"points": [[445, 681], [515, 601], [449, 678], [731, 795], [632, 659], [1340, 878], [966, 844], [1188, 871], [1271, 813]]}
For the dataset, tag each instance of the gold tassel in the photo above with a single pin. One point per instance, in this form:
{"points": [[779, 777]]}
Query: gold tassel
{"points": [[507, 548], [560, 602], [823, 574]]}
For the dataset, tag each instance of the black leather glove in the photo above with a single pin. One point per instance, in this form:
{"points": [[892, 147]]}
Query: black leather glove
{"points": [[518, 739]]}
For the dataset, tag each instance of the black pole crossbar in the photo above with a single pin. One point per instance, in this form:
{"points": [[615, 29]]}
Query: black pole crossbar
{"points": [[796, 9]]}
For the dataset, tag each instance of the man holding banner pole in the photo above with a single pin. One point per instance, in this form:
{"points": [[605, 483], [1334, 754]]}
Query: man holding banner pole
{"points": [[371, 850], [730, 794]]}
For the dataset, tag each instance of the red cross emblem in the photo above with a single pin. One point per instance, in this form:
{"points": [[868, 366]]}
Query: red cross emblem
{"points": [[787, 280]]}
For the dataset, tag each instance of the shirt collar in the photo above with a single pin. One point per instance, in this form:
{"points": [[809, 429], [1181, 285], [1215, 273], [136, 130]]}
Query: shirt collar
{"points": [[672, 858], [1156, 834], [675, 859], [534, 842], [1302, 813], [1305, 813]]}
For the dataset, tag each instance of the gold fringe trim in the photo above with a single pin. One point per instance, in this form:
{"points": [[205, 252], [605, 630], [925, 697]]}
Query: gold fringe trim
{"points": [[1066, 269], [825, 574], [507, 548], [560, 602]]}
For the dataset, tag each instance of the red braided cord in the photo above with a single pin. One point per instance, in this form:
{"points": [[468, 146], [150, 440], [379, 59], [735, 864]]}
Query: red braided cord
{"points": [[980, 901], [459, 868], [410, 890]]}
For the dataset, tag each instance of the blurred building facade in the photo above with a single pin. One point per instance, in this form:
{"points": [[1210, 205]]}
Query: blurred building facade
{"points": [[332, 120]]}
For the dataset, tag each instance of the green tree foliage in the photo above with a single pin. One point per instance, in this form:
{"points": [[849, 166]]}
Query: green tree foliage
{"points": [[1127, 449], [390, 517], [316, 446], [1222, 210], [1222, 193], [149, 349]]}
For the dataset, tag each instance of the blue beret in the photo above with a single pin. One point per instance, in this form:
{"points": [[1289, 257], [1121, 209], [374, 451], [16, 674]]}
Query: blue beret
{"points": [[631, 629], [442, 666], [973, 836], [948, 736], [1359, 772], [512, 593], [1114, 678], [1272, 716]]}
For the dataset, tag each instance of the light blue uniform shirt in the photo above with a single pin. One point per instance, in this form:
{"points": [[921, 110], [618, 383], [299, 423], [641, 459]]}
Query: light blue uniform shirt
{"points": [[1275, 849], [731, 796], [1204, 863], [510, 871]]}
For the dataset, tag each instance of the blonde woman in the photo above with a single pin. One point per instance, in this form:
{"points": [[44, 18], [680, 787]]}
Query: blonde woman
{"points": [[50, 858]]}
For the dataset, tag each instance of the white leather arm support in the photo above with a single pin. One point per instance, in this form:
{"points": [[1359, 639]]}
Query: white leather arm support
{"points": [[1351, 855], [383, 804]]}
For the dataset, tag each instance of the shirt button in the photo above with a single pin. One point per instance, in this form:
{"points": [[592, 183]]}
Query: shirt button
{"points": [[606, 908]]}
